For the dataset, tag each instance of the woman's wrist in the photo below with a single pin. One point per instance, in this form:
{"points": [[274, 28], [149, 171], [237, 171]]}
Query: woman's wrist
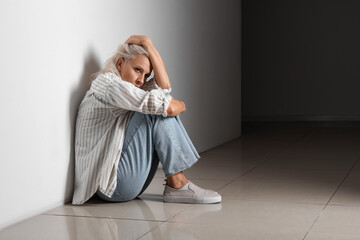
{"points": [[149, 47], [175, 108], [162, 79]]}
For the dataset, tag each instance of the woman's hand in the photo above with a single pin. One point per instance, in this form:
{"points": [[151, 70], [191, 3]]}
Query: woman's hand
{"points": [[175, 108], [140, 40], [161, 76]]}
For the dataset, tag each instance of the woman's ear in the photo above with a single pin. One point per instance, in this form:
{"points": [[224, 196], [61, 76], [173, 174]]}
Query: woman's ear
{"points": [[119, 64]]}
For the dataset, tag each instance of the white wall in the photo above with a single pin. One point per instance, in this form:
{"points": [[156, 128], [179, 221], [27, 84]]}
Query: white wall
{"points": [[48, 51]]}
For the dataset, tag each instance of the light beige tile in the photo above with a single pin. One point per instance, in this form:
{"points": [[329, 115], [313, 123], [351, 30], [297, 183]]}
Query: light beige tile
{"points": [[66, 227], [349, 192], [243, 151], [337, 223], [237, 219], [229, 163], [159, 173], [295, 169], [152, 209], [305, 186], [231, 160], [237, 156]]}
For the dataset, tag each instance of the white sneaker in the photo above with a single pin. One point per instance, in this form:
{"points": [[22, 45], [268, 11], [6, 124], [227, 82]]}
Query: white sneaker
{"points": [[190, 193]]}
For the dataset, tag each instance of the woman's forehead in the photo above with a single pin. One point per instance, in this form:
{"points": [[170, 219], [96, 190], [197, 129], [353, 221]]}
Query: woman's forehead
{"points": [[143, 62]]}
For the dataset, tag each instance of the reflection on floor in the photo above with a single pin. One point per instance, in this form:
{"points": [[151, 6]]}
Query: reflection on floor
{"points": [[278, 181]]}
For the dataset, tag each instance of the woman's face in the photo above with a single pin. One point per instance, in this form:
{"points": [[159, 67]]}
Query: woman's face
{"points": [[135, 71]]}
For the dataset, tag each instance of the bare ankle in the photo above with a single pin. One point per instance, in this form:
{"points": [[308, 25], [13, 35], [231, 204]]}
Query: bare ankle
{"points": [[177, 180], [177, 185]]}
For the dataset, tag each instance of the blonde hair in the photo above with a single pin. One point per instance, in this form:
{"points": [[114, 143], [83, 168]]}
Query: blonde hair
{"points": [[125, 51]]}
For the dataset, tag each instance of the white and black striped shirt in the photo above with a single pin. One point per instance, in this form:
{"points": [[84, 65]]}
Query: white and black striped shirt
{"points": [[102, 119]]}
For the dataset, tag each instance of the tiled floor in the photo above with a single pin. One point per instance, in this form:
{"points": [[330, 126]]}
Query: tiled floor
{"points": [[278, 181]]}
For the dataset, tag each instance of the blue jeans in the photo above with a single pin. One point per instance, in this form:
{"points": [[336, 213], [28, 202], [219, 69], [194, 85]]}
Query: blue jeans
{"points": [[148, 140]]}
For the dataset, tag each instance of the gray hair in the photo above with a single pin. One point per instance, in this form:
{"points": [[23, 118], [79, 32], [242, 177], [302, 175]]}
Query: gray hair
{"points": [[125, 51]]}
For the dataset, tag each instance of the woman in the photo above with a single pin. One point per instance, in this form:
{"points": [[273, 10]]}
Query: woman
{"points": [[126, 125]]}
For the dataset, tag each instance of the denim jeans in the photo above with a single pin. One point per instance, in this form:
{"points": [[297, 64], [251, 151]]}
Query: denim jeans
{"points": [[148, 140]]}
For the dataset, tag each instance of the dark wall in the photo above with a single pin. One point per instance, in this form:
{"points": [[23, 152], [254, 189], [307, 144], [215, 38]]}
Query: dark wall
{"points": [[301, 59]]}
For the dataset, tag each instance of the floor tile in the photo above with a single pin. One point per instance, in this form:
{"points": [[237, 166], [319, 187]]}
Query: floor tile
{"points": [[285, 185], [275, 181], [65, 227], [337, 223], [151, 209], [240, 155], [324, 149], [327, 141], [237, 219], [280, 131], [349, 191], [301, 158], [231, 160]]}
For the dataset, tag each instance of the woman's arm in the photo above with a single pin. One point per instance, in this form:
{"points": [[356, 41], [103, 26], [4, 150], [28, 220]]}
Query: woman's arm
{"points": [[123, 95], [176, 107], [161, 76]]}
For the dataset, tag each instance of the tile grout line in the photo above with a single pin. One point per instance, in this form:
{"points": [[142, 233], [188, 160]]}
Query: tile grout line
{"points": [[312, 225], [142, 220], [319, 213], [266, 160], [344, 205], [328, 202], [342, 182], [150, 230], [117, 218], [166, 221]]}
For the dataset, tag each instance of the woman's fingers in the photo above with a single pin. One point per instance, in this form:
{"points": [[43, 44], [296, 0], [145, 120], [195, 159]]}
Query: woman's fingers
{"points": [[133, 40], [175, 108], [138, 40]]}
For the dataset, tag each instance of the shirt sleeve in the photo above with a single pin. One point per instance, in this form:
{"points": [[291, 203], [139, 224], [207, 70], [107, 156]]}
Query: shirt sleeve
{"points": [[122, 94], [151, 85]]}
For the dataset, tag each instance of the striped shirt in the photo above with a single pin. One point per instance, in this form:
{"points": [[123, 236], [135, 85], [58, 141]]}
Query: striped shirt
{"points": [[101, 123]]}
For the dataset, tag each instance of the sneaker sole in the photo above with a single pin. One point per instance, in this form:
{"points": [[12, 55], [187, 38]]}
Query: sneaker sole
{"points": [[178, 199]]}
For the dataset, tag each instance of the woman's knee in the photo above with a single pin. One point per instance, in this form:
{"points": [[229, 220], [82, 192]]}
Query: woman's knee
{"points": [[129, 196], [129, 188]]}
